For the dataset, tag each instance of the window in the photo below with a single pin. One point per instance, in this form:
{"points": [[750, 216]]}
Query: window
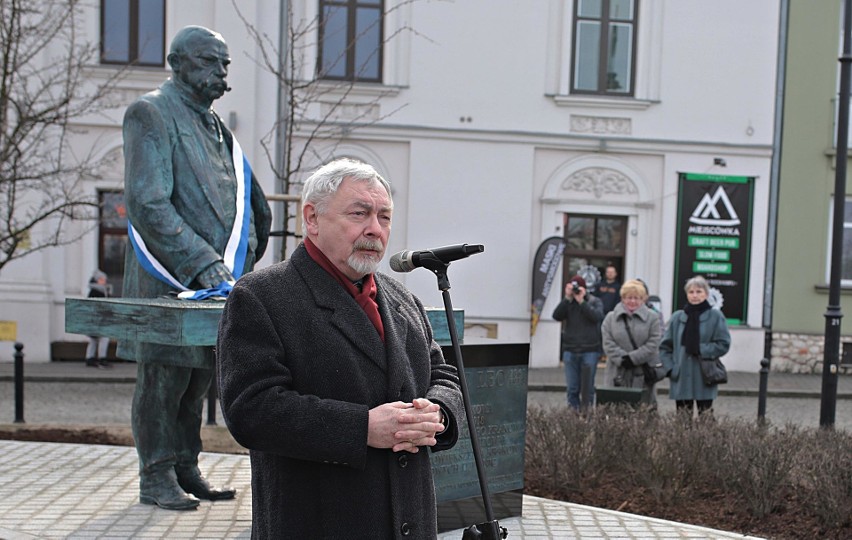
{"points": [[350, 40], [846, 272], [112, 237], [133, 32], [604, 47]]}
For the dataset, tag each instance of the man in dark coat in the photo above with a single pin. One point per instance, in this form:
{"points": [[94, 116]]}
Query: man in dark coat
{"points": [[609, 289], [329, 375], [581, 315], [186, 186]]}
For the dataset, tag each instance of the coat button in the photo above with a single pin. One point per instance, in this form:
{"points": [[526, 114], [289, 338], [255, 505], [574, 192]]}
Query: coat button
{"points": [[403, 461], [405, 529]]}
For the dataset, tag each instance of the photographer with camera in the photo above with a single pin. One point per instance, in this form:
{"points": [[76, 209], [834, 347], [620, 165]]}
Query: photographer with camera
{"points": [[581, 315]]}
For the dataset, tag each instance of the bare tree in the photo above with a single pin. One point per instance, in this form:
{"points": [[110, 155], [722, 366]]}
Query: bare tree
{"points": [[46, 86], [311, 107]]}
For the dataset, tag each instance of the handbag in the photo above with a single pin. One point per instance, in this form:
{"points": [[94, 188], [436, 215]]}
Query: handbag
{"points": [[713, 371], [653, 370]]}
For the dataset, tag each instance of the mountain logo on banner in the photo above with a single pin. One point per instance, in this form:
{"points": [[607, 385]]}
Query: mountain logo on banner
{"points": [[707, 211]]}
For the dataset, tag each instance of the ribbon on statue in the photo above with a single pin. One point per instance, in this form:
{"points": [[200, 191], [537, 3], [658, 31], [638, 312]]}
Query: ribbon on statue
{"points": [[235, 250]]}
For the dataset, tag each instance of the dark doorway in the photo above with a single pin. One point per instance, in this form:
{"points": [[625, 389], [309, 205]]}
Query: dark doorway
{"points": [[596, 241]]}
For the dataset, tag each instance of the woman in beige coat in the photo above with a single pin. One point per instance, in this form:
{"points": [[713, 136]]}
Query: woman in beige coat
{"points": [[630, 353]]}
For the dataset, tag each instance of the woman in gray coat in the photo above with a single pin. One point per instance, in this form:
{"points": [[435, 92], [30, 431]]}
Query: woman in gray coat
{"points": [[694, 332], [626, 362]]}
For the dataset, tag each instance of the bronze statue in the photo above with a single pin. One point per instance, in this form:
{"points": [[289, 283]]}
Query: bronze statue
{"points": [[182, 187]]}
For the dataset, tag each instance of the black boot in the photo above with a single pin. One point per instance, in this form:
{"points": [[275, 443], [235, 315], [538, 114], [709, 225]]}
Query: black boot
{"points": [[161, 488], [191, 481], [91, 362]]}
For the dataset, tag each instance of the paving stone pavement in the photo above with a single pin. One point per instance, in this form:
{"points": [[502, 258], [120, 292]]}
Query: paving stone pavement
{"points": [[76, 491], [55, 490]]}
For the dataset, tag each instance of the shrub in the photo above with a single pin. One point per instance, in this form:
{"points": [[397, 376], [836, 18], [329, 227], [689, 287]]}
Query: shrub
{"points": [[672, 457], [824, 471], [758, 464], [567, 455]]}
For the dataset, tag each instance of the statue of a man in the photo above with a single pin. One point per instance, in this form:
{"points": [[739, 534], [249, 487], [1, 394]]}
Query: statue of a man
{"points": [[185, 187]]}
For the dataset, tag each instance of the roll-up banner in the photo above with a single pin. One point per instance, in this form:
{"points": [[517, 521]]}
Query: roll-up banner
{"points": [[546, 262]]}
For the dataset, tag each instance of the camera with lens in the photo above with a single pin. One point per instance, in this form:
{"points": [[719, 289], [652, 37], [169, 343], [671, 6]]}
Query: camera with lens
{"points": [[576, 288]]}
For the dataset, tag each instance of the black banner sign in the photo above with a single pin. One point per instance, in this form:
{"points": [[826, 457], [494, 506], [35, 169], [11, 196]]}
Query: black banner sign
{"points": [[714, 220], [546, 262]]}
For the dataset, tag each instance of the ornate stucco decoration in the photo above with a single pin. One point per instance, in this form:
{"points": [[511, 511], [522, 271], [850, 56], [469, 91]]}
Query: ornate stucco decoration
{"points": [[350, 112], [599, 181], [600, 125]]}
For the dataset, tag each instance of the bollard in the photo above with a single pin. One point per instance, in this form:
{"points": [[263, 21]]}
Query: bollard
{"points": [[586, 384], [19, 383], [764, 384], [211, 403]]}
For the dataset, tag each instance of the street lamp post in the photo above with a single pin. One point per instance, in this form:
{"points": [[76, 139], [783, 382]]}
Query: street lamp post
{"points": [[833, 313]]}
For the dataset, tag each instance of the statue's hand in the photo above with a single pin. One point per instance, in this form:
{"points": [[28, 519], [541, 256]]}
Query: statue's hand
{"points": [[213, 275]]}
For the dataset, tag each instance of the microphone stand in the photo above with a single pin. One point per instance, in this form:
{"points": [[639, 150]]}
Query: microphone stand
{"points": [[490, 529]]}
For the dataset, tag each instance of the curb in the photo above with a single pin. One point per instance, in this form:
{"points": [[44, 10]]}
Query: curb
{"points": [[68, 379], [534, 387], [735, 392]]}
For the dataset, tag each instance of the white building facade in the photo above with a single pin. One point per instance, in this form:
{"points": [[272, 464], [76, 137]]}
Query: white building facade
{"points": [[494, 130]]}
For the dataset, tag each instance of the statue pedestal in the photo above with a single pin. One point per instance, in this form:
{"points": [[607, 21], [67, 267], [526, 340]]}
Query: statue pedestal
{"points": [[496, 373], [154, 320]]}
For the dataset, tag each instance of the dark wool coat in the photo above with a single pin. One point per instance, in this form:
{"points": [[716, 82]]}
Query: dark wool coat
{"points": [[300, 365], [686, 382], [176, 208], [581, 324]]}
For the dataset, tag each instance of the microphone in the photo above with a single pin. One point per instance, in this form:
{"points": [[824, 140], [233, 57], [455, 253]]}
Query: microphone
{"points": [[433, 259]]}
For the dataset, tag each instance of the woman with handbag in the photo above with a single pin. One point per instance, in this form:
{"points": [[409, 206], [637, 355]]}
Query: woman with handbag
{"points": [[631, 335], [696, 334]]}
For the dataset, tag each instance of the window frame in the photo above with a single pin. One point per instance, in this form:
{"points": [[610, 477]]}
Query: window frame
{"points": [[351, 51], [847, 234], [132, 34], [604, 24]]}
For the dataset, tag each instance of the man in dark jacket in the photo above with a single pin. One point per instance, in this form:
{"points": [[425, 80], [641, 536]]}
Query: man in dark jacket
{"points": [[186, 185], [329, 375], [609, 290], [581, 314]]}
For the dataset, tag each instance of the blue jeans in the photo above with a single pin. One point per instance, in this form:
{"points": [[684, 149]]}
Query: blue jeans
{"points": [[574, 363]]}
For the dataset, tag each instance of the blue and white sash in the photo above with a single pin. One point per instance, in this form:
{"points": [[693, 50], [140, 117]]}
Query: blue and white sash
{"points": [[235, 251]]}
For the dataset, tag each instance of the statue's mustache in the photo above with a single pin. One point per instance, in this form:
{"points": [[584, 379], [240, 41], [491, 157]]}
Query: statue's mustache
{"points": [[215, 85]]}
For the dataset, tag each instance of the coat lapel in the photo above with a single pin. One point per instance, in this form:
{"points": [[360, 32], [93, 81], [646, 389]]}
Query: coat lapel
{"points": [[353, 323], [400, 374], [187, 142], [346, 315]]}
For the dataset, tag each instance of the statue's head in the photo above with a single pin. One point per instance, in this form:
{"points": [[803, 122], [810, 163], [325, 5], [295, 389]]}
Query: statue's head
{"points": [[199, 59]]}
